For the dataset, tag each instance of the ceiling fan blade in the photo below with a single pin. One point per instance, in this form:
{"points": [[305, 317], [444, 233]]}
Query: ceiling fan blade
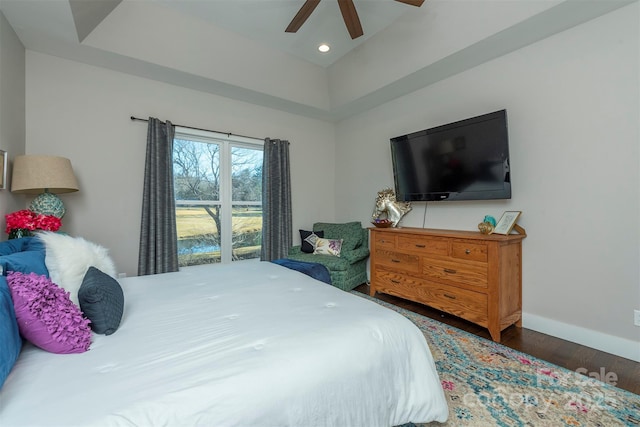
{"points": [[303, 14], [351, 19], [417, 3]]}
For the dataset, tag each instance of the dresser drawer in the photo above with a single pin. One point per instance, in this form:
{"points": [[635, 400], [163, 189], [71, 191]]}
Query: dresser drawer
{"points": [[384, 241], [455, 272], [398, 261], [459, 302], [424, 245], [398, 284], [469, 250]]}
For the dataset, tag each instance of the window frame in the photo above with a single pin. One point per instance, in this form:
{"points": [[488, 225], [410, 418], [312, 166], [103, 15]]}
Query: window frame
{"points": [[226, 142]]}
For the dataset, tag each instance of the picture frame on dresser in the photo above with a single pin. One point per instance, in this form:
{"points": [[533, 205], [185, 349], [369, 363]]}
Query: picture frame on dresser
{"points": [[507, 222], [3, 170]]}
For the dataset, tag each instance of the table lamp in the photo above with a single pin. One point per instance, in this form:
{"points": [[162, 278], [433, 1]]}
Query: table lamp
{"points": [[45, 176]]}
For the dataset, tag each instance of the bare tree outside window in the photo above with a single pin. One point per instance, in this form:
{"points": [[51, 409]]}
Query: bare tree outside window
{"points": [[218, 191]]}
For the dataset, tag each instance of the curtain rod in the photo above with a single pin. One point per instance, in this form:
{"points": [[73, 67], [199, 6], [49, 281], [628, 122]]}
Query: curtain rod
{"points": [[229, 134]]}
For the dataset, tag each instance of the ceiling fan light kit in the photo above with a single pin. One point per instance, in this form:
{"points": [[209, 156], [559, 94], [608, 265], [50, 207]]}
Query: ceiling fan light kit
{"points": [[349, 15]]}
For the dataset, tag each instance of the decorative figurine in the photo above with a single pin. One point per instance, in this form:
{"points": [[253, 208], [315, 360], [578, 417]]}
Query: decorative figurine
{"points": [[487, 225], [491, 220], [387, 207]]}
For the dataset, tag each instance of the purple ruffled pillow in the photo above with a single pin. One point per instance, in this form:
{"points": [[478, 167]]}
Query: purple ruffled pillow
{"points": [[46, 316]]}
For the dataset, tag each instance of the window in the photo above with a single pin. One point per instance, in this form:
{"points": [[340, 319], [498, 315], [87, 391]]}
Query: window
{"points": [[218, 192]]}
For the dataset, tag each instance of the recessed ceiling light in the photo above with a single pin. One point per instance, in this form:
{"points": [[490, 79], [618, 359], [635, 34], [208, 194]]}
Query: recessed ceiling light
{"points": [[324, 48]]}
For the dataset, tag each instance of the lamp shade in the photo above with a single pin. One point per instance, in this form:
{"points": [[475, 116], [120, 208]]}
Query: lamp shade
{"points": [[37, 174]]}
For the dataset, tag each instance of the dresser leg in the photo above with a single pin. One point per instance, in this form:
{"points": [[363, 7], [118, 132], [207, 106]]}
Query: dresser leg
{"points": [[495, 334]]}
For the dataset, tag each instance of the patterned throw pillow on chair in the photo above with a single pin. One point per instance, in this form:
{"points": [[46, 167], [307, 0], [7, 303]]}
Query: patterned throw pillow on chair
{"points": [[328, 247], [308, 239]]}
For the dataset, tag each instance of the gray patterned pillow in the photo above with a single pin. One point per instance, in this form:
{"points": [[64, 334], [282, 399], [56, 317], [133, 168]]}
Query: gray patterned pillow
{"points": [[308, 239], [102, 301]]}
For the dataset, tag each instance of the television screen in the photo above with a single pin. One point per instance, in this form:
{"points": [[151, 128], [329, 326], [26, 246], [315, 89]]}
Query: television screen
{"points": [[464, 160]]}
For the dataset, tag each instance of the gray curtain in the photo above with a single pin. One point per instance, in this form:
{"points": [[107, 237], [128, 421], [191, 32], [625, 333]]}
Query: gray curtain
{"points": [[276, 201], [158, 251]]}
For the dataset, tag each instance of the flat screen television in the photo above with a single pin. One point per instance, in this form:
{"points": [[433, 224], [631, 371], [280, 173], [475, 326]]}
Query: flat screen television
{"points": [[464, 160]]}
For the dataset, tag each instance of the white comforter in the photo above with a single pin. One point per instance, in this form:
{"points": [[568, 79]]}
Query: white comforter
{"points": [[247, 344]]}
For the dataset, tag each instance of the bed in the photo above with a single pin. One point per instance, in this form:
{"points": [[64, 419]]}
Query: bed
{"points": [[246, 344]]}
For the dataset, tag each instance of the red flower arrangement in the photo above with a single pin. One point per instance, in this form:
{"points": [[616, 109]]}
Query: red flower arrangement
{"points": [[27, 221]]}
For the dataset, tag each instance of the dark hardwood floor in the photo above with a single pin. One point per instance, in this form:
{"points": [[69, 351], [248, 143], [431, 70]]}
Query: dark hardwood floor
{"points": [[555, 350]]}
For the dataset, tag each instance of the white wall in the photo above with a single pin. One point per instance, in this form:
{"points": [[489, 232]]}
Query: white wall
{"points": [[82, 112], [572, 103], [12, 111]]}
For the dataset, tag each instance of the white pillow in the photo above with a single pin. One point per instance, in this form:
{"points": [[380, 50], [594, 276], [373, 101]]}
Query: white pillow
{"points": [[68, 259], [328, 246]]}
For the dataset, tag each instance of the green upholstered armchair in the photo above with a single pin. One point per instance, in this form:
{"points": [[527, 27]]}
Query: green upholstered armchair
{"points": [[349, 269]]}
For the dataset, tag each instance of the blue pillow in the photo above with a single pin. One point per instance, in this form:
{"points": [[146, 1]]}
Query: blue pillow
{"points": [[33, 244], [25, 255], [24, 262], [12, 246], [11, 341]]}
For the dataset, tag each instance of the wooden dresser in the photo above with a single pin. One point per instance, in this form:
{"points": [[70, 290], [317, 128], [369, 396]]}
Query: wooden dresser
{"points": [[471, 275]]}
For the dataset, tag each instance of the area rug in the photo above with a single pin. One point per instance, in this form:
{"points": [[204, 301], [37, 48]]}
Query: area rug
{"points": [[488, 384]]}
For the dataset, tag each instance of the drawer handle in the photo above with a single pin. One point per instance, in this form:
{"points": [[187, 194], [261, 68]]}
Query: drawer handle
{"points": [[450, 271], [467, 251], [395, 260], [397, 282], [421, 246], [450, 296]]}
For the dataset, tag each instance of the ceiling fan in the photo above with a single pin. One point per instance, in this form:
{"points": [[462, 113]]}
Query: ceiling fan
{"points": [[349, 14]]}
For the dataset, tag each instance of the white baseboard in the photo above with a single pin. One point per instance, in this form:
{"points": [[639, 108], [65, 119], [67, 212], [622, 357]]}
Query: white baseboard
{"points": [[600, 341]]}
